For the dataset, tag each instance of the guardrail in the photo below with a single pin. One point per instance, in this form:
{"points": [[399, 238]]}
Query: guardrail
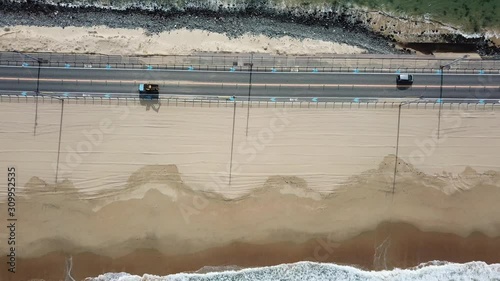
{"points": [[339, 103], [223, 68], [261, 63]]}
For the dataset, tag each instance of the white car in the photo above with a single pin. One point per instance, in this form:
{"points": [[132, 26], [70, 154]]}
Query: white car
{"points": [[404, 79]]}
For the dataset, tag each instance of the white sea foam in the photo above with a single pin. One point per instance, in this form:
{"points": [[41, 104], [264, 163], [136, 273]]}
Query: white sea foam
{"points": [[310, 271]]}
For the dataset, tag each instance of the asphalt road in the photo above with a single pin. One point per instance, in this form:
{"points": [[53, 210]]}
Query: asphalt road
{"points": [[117, 82]]}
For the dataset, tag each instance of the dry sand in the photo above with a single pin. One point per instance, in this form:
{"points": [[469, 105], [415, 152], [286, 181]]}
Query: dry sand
{"points": [[121, 41], [303, 179]]}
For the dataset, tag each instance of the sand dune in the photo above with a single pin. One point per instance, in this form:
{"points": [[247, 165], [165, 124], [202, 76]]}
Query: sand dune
{"points": [[131, 180]]}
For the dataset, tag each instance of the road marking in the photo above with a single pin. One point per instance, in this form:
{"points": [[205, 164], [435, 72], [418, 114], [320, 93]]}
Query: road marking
{"points": [[387, 71], [325, 98], [217, 84]]}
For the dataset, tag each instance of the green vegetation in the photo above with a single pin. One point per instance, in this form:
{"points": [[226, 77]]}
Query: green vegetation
{"points": [[471, 15]]}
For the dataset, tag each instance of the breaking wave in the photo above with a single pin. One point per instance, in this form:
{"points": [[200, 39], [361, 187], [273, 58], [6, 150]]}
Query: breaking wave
{"points": [[311, 271]]}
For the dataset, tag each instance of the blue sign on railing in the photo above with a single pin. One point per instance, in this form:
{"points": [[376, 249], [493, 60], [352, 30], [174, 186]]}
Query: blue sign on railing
{"points": [[315, 99], [232, 98], [23, 94], [274, 70], [315, 70], [190, 68], [65, 94], [67, 65], [25, 64], [438, 71], [232, 69], [107, 95], [439, 101], [356, 70], [481, 101], [398, 71], [356, 100], [108, 66], [149, 67], [481, 71], [273, 99]]}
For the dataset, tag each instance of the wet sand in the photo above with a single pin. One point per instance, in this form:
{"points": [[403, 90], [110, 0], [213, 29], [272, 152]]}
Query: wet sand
{"points": [[408, 247], [308, 184]]}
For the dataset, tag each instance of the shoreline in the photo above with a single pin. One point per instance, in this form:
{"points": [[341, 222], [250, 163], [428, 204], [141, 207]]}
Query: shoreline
{"points": [[409, 247], [362, 29]]}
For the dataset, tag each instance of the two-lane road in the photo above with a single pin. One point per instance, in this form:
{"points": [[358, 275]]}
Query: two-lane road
{"points": [[119, 81]]}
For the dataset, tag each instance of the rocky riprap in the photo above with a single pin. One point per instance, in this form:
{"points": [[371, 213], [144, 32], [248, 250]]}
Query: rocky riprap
{"points": [[233, 23]]}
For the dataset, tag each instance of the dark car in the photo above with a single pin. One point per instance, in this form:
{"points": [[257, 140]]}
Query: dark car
{"points": [[149, 91]]}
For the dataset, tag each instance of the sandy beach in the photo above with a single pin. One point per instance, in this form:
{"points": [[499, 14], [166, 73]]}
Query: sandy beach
{"points": [[104, 186], [122, 41], [316, 184]]}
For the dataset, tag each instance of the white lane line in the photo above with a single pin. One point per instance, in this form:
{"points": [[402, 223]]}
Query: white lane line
{"points": [[259, 72], [219, 84]]}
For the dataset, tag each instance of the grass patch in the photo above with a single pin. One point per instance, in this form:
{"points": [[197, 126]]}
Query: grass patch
{"points": [[471, 15]]}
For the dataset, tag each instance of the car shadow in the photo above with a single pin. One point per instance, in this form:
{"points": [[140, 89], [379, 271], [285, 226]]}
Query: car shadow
{"points": [[154, 104], [403, 86]]}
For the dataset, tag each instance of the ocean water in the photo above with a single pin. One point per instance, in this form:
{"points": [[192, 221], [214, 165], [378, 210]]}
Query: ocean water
{"points": [[311, 271]]}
